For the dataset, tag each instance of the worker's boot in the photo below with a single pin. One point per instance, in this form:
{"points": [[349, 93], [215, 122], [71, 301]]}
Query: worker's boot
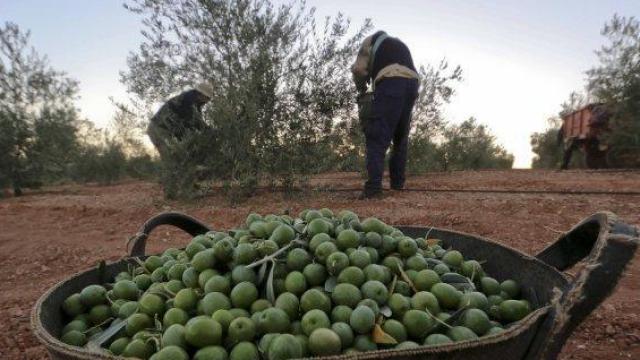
{"points": [[370, 193]]}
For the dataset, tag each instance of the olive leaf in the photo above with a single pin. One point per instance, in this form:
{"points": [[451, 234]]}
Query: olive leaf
{"points": [[162, 292], [456, 315], [98, 326], [131, 270], [432, 242], [269, 287], [437, 320], [458, 281], [426, 236], [380, 337], [300, 228], [392, 288], [141, 263], [297, 224], [433, 262], [109, 298], [280, 251], [157, 323], [262, 272], [102, 337], [168, 292], [406, 278], [155, 340], [386, 311], [330, 284], [298, 241]]}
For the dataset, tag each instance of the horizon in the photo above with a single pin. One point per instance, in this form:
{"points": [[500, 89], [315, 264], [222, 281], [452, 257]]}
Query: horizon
{"points": [[520, 59]]}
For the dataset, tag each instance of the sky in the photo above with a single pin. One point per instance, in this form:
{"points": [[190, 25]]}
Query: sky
{"points": [[520, 58]]}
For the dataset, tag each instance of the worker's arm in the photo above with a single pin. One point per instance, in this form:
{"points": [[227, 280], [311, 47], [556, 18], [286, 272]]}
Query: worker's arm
{"points": [[359, 69]]}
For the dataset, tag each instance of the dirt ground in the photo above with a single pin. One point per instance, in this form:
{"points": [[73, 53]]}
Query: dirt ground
{"points": [[50, 234]]}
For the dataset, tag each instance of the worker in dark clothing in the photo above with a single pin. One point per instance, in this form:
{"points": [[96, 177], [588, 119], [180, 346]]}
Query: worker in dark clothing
{"points": [[177, 117], [177, 120], [385, 63], [569, 147]]}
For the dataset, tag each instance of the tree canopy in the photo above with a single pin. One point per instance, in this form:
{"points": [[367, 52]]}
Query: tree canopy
{"points": [[284, 103], [37, 115], [614, 82]]}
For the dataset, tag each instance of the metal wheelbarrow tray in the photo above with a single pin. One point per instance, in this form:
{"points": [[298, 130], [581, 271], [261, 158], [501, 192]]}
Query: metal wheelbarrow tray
{"points": [[561, 301]]}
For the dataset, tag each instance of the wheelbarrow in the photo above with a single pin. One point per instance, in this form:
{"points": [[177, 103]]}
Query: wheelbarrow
{"points": [[562, 302]]}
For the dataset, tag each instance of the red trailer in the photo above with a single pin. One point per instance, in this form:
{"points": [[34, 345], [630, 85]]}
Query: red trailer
{"points": [[583, 129], [588, 122]]}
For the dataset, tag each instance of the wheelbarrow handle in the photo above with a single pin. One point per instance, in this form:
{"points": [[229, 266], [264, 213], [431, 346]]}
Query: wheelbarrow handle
{"points": [[184, 222], [607, 245], [584, 240]]}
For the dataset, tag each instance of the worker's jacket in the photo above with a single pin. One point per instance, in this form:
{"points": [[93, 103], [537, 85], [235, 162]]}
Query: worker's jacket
{"points": [[180, 115], [392, 59]]}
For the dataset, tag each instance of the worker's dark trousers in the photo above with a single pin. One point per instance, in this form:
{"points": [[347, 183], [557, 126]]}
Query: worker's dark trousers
{"points": [[568, 151], [392, 106]]}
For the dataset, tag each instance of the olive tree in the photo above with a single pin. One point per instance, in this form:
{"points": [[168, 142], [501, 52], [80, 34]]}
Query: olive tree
{"points": [[37, 115], [615, 81], [463, 146], [281, 79], [437, 88], [547, 146]]}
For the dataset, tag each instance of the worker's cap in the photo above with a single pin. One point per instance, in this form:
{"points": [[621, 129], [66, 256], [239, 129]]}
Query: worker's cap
{"points": [[205, 89]]}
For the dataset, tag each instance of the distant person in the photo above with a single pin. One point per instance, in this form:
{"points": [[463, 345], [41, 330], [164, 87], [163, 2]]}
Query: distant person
{"points": [[568, 147], [178, 119], [385, 63]]}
